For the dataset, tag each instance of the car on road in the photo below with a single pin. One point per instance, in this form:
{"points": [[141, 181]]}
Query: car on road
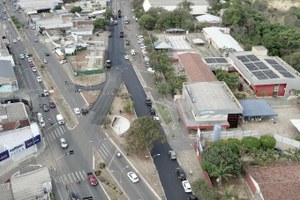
{"points": [[35, 40], [39, 79], [45, 61], [127, 42], [132, 52], [21, 56], [186, 186], [14, 41], [133, 177], [148, 101], [62, 61], [92, 179], [152, 111], [47, 54], [63, 143], [126, 57], [46, 93], [77, 111], [18, 38], [180, 173], [151, 70], [73, 196], [52, 104], [33, 69], [172, 154], [46, 108]]}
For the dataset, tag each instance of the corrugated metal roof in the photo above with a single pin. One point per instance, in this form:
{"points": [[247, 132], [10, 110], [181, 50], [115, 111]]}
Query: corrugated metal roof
{"points": [[257, 108], [23, 191], [5, 192]]}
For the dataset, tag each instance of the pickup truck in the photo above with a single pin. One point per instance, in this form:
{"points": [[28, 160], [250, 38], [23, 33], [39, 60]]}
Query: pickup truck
{"points": [[92, 179]]}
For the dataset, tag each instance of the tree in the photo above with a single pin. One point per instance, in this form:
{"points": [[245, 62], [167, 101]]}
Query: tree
{"points": [[231, 79], [143, 132], [128, 106], [221, 172], [76, 9], [201, 189], [105, 121], [100, 23], [109, 13], [250, 142], [147, 22], [221, 156], [163, 88], [267, 142], [185, 5]]}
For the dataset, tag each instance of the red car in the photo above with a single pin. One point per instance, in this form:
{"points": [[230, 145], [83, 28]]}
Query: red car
{"points": [[92, 179], [52, 104]]}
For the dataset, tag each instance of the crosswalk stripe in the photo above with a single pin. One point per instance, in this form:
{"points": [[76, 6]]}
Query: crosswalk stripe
{"points": [[108, 144], [103, 151], [82, 175], [70, 177], [65, 179], [77, 176]]}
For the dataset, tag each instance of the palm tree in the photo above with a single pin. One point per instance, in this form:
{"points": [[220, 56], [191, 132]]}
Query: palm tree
{"points": [[222, 172]]}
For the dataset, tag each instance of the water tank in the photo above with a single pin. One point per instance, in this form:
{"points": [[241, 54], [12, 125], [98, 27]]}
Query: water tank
{"points": [[217, 132]]}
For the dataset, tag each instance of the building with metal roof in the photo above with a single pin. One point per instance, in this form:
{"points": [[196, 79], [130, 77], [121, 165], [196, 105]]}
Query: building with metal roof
{"points": [[54, 22], [199, 7], [40, 185], [8, 79], [256, 108], [205, 104], [5, 192], [33, 6], [210, 19], [266, 75], [220, 38]]}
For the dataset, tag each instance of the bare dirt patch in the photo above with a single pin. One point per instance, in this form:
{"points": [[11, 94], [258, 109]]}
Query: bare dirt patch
{"points": [[283, 5]]}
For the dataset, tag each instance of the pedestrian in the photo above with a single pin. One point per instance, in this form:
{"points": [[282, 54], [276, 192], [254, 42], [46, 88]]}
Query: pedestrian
{"points": [[179, 119], [120, 111], [173, 135]]}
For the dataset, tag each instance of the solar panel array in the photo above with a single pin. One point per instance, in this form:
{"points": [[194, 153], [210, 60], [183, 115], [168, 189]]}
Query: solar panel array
{"points": [[260, 70], [279, 68], [215, 60]]}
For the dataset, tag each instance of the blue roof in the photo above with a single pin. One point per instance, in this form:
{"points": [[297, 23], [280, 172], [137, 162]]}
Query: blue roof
{"points": [[256, 108]]}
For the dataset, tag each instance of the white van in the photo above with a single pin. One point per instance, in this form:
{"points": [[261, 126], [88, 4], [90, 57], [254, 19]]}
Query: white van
{"points": [[60, 120]]}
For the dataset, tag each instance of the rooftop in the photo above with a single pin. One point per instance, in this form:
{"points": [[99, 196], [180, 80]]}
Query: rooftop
{"points": [[209, 18], [257, 108], [212, 98], [12, 112], [5, 191], [7, 73], [40, 182], [222, 38], [263, 68], [195, 68], [277, 182]]}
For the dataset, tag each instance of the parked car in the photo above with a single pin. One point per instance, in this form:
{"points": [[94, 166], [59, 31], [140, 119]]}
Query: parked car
{"points": [[22, 56], [126, 57], [45, 61], [92, 179], [172, 154], [132, 52], [152, 111], [77, 111], [180, 173], [47, 54], [192, 197], [186, 186], [63, 143], [148, 101], [151, 70], [127, 42], [73, 196], [133, 177], [34, 69], [52, 104]]}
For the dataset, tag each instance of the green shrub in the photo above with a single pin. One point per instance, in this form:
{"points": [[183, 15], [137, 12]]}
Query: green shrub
{"points": [[297, 138], [201, 189], [250, 142], [101, 165], [98, 172], [267, 142]]}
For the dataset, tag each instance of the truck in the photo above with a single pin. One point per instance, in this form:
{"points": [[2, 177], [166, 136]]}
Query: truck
{"points": [[121, 34], [60, 120]]}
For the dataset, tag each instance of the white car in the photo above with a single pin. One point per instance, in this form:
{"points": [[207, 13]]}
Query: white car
{"points": [[14, 41], [63, 143], [22, 56], [34, 69], [126, 57], [45, 61], [156, 118], [62, 61], [18, 38], [77, 111], [39, 79], [29, 59], [151, 70], [132, 52], [186, 186], [133, 177]]}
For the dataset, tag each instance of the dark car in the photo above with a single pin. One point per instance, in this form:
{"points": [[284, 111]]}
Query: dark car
{"points": [[180, 173], [152, 111], [73, 196], [47, 54], [127, 42], [46, 108], [52, 104], [148, 102], [192, 197]]}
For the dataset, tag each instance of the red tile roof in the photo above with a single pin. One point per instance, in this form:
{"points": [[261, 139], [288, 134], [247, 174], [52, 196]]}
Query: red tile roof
{"points": [[196, 69], [277, 182]]}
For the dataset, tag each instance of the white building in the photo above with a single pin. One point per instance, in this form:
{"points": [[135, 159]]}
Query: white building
{"points": [[199, 7], [33, 6], [54, 23], [220, 38], [18, 138], [83, 30]]}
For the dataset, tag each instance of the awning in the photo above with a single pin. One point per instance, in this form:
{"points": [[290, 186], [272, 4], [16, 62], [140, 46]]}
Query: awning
{"points": [[296, 123]]}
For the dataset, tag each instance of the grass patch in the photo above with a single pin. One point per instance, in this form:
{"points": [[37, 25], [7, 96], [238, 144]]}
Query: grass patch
{"points": [[164, 112]]}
